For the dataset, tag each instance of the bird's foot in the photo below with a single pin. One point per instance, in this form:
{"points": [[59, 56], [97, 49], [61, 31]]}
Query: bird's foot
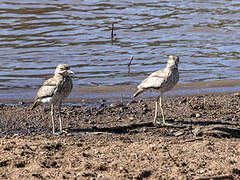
{"points": [[60, 133], [167, 124], [63, 132], [162, 123], [156, 122]]}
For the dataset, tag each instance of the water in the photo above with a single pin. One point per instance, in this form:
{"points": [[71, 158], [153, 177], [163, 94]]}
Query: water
{"points": [[36, 36]]}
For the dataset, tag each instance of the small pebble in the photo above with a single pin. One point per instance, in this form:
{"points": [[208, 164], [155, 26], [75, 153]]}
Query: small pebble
{"points": [[197, 131], [131, 118], [21, 103], [201, 171], [179, 133], [115, 105], [99, 176], [197, 115]]}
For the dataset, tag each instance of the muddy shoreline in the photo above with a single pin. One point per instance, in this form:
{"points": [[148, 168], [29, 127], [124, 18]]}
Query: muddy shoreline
{"points": [[88, 94], [119, 140]]}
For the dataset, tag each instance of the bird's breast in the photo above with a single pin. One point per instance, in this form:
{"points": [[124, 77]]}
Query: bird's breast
{"points": [[64, 88]]}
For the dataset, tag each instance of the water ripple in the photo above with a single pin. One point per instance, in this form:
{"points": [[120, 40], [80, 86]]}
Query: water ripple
{"points": [[36, 36]]}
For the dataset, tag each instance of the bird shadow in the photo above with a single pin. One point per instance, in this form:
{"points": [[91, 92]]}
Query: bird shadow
{"points": [[122, 129], [115, 129], [217, 129]]}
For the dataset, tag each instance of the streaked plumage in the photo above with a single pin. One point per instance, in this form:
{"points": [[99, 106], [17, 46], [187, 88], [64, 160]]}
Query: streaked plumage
{"points": [[161, 81], [55, 90]]}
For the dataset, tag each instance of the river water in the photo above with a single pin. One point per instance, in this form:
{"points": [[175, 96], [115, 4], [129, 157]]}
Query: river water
{"points": [[36, 36]]}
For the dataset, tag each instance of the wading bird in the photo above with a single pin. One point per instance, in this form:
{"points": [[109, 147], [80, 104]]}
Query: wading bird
{"points": [[54, 91], [161, 81]]}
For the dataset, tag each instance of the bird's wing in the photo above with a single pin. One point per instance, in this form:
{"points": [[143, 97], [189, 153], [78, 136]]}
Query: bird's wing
{"points": [[160, 74], [47, 89], [155, 80], [152, 82]]}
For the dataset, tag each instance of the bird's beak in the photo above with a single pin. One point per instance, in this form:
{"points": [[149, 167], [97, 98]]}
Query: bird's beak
{"points": [[70, 73]]}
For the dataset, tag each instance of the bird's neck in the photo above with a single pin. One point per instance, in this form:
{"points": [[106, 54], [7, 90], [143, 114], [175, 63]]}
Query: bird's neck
{"points": [[58, 76], [172, 66]]}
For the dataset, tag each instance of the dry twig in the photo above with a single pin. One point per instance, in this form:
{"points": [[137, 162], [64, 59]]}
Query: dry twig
{"points": [[175, 162]]}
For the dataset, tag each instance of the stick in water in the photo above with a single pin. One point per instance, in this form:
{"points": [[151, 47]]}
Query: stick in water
{"points": [[112, 29], [129, 64]]}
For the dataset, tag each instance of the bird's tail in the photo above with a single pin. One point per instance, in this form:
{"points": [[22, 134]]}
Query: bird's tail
{"points": [[36, 103], [140, 91]]}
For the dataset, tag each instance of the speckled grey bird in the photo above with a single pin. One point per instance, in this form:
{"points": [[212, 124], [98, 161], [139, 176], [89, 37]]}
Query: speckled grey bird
{"points": [[161, 81], [54, 91]]}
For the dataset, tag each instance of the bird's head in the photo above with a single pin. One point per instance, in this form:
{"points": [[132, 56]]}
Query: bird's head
{"points": [[173, 61], [63, 70]]}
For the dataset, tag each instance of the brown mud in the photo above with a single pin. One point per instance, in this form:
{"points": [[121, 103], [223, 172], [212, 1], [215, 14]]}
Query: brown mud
{"points": [[119, 141]]}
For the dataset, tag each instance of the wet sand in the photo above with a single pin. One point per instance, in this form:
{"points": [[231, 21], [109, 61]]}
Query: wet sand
{"points": [[90, 94], [119, 141]]}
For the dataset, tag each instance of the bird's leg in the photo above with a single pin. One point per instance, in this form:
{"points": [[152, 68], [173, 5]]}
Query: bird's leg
{"points": [[60, 118], [52, 116], [160, 105], [163, 116], [156, 111]]}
